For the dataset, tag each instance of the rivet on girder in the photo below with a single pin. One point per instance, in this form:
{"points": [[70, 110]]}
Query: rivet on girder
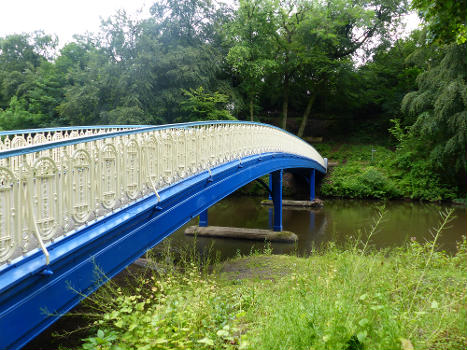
{"points": [[47, 272]]}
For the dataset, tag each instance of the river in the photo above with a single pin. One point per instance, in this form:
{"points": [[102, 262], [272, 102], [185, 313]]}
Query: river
{"points": [[338, 221]]}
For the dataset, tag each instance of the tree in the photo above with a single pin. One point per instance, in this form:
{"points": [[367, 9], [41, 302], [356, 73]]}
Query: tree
{"points": [[16, 116], [180, 44], [201, 105], [332, 31], [19, 57], [30, 87], [306, 44], [251, 52], [290, 14], [386, 78], [439, 108], [445, 19]]}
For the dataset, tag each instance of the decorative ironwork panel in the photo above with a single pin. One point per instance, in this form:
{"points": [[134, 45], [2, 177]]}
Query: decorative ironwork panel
{"points": [[81, 194], [45, 201], [132, 169], [150, 162], [167, 157], [8, 213], [108, 176], [46, 193]]}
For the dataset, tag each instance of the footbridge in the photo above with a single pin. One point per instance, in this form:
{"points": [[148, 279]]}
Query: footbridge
{"points": [[76, 199]]}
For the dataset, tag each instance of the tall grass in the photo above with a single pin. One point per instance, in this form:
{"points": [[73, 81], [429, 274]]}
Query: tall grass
{"points": [[352, 297]]}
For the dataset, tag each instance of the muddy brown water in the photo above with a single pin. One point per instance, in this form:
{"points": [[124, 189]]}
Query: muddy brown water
{"points": [[338, 221]]}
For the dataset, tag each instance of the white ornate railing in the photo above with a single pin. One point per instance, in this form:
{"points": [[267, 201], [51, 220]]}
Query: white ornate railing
{"points": [[24, 138], [49, 190]]}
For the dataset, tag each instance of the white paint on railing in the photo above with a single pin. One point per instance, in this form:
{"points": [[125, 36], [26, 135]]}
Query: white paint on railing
{"points": [[36, 137], [47, 194]]}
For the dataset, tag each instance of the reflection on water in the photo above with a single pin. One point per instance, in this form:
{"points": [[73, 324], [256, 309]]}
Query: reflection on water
{"points": [[337, 221]]}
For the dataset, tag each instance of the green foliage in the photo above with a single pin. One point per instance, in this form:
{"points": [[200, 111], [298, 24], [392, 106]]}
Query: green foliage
{"points": [[446, 19], [175, 311], [17, 117], [19, 52], [250, 37], [388, 77], [135, 70], [440, 110], [300, 47], [355, 181], [432, 131], [366, 171], [350, 297], [29, 84], [417, 176], [201, 105], [286, 57]]}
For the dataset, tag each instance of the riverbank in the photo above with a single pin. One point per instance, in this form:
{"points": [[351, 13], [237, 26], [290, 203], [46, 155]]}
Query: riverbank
{"points": [[349, 297], [366, 171]]}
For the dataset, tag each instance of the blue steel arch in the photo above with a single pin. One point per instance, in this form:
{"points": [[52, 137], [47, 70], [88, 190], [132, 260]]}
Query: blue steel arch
{"points": [[27, 288]]}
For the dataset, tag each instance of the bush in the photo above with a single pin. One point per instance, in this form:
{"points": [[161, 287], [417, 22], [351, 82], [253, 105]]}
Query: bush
{"points": [[418, 175], [420, 182], [349, 181], [367, 171]]}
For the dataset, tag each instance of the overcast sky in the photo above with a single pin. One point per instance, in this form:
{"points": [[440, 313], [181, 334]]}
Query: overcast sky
{"points": [[62, 17], [68, 17]]}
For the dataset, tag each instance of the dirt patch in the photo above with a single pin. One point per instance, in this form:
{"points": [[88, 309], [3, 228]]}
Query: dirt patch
{"points": [[268, 267]]}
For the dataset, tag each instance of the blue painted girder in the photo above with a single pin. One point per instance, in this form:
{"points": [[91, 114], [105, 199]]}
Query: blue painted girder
{"points": [[31, 298]]}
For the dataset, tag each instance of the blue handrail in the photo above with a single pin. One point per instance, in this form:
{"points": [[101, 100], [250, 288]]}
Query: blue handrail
{"points": [[67, 128]]}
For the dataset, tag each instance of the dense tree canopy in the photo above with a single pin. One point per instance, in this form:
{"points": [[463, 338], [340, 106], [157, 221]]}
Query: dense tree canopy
{"points": [[263, 54], [293, 63]]}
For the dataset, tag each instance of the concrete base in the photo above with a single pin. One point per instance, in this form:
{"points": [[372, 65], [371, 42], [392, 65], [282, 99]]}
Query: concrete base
{"points": [[241, 233], [316, 203]]}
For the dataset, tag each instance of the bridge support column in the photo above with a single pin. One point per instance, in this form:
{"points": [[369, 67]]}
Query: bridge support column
{"points": [[270, 186], [277, 199], [312, 184], [203, 218], [270, 198]]}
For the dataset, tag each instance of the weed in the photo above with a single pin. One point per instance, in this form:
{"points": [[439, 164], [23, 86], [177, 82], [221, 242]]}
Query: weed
{"points": [[349, 298]]}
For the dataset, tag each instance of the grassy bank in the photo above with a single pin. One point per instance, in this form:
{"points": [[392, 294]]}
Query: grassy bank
{"points": [[370, 171], [349, 297]]}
